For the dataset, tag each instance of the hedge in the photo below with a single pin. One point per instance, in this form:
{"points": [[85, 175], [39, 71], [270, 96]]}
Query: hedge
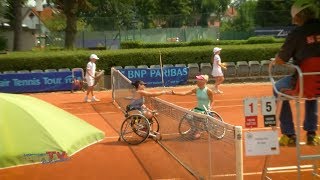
{"points": [[108, 58], [203, 42]]}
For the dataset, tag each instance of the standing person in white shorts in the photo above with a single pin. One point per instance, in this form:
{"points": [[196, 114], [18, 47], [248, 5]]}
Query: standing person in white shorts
{"points": [[216, 69], [90, 77]]}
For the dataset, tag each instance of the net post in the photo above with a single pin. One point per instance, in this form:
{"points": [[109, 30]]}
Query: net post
{"points": [[239, 152], [210, 156], [112, 84], [161, 69]]}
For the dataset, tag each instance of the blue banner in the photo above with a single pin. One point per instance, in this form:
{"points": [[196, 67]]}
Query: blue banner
{"points": [[37, 82], [172, 75]]}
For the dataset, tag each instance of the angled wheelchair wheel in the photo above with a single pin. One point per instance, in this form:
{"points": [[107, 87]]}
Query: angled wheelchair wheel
{"points": [[135, 129], [154, 129], [186, 125], [215, 130], [154, 124]]}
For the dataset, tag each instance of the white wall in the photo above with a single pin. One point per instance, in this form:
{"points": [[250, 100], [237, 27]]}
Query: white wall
{"points": [[33, 22]]}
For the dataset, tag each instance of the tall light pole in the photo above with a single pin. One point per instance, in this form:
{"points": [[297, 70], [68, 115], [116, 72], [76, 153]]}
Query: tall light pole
{"points": [[39, 9]]}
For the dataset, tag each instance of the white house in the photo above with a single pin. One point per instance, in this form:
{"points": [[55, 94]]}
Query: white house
{"points": [[32, 36]]}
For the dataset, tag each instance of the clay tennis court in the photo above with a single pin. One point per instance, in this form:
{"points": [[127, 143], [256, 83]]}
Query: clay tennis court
{"points": [[111, 159]]}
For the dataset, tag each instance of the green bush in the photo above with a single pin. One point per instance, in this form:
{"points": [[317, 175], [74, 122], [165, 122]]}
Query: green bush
{"points": [[3, 43], [261, 40], [203, 42], [194, 54], [230, 42], [164, 45], [280, 40], [130, 44]]}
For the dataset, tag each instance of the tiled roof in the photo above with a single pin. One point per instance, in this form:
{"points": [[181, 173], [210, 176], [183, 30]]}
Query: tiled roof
{"points": [[231, 12], [46, 14]]}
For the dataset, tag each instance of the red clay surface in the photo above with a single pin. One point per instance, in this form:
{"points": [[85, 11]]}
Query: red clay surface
{"points": [[111, 159]]}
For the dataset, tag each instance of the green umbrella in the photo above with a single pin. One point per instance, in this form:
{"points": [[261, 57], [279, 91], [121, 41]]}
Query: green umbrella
{"points": [[33, 131]]}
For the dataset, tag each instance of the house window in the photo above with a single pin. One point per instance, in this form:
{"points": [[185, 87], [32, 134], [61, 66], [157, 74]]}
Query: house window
{"points": [[31, 15]]}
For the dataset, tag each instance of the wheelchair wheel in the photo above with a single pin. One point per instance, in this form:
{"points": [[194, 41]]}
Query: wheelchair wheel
{"points": [[154, 124], [215, 130], [185, 125], [135, 129]]}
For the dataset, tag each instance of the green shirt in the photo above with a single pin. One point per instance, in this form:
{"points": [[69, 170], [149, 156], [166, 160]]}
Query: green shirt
{"points": [[203, 98]]}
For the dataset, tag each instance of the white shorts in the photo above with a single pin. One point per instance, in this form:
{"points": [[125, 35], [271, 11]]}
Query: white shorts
{"points": [[216, 72], [90, 81]]}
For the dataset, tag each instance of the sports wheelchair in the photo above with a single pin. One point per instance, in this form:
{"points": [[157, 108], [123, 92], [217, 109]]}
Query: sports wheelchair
{"points": [[136, 128], [190, 124]]}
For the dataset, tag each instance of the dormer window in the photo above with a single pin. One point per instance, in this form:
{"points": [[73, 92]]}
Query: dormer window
{"points": [[31, 15]]}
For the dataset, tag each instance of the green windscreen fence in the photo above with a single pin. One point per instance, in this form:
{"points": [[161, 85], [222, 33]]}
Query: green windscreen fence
{"points": [[170, 34], [112, 39]]}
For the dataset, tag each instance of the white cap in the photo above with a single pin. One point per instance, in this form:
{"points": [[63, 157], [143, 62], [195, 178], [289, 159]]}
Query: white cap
{"points": [[216, 49], [93, 56], [300, 5]]}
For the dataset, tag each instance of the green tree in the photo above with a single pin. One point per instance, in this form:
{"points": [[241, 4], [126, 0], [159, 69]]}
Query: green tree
{"points": [[273, 13], [217, 7], [174, 12], [129, 14], [2, 8], [58, 23], [145, 11], [71, 9], [110, 14], [244, 21]]}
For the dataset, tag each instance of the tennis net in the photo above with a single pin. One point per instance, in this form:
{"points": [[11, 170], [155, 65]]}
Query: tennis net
{"points": [[216, 154]]}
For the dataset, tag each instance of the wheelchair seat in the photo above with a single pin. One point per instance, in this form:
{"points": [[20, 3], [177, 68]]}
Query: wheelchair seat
{"points": [[132, 110], [308, 82]]}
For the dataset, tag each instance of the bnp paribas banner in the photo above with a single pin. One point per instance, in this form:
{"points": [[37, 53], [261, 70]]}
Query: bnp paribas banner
{"points": [[37, 82], [172, 76]]}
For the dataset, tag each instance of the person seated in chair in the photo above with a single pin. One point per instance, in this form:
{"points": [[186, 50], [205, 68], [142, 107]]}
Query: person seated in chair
{"points": [[302, 43], [204, 97], [139, 94]]}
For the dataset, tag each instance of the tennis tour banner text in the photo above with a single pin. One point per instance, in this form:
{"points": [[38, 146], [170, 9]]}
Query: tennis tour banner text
{"points": [[36, 82], [153, 77]]}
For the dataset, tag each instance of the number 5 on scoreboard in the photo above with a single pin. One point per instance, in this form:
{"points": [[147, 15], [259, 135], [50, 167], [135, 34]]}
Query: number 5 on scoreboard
{"points": [[251, 107], [268, 106]]}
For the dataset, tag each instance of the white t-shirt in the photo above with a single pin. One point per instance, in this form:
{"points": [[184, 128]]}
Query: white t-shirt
{"points": [[91, 68]]}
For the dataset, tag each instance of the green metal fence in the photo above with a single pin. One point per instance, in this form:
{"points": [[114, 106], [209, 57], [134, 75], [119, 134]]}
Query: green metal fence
{"points": [[112, 39]]}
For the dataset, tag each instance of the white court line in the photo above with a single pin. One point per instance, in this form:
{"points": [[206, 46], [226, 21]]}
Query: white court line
{"points": [[76, 108], [265, 128], [104, 113], [260, 173], [194, 102], [169, 179], [222, 100], [188, 102], [112, 137], [89, 107]]}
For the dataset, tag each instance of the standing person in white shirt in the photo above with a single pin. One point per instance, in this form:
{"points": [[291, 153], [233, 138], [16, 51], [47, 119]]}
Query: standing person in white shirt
{"points": [[90, 77], [216, 69]]}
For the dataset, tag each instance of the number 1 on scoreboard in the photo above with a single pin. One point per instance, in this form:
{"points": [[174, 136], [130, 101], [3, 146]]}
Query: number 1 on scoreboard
{"points": [[250, 107]]}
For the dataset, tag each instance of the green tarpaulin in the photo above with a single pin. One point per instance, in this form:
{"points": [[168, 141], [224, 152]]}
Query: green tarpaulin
{"points": [[33, 131]]}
